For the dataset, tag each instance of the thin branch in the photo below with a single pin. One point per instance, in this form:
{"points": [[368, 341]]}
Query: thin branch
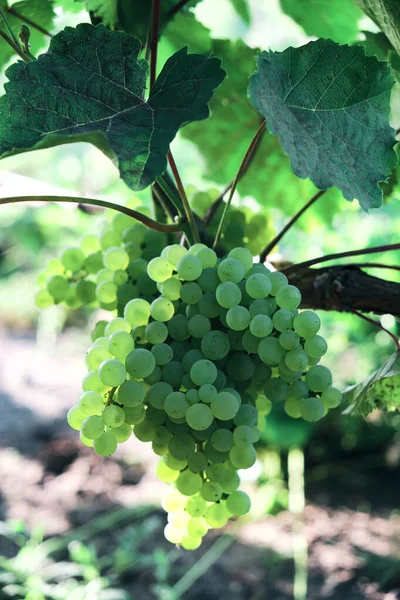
{"points": [[217, 203], [376, 324], [177, 7], [372, 266], [247, 157], [321, 259], [14, 46], [162, 227], [185, 202], [9, 28], [28, 21], [154, 35], [289, 225]]}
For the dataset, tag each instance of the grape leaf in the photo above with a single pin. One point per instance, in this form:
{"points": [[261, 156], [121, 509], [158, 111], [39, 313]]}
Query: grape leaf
{"points": [[243, 10], [37, 11], [106, 10], [333, 19], [224, 141], [386, 14], [380, 390], [329, 105], [90, 87]]}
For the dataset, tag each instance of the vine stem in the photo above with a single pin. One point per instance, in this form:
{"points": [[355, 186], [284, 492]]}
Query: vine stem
{"points": [[27, 21], [327, 257], [178, 7], [372, 266], [14, 46], [154, 34], [162, 227], [375, 323], [247, 157], [289, 225], [185, 202]]}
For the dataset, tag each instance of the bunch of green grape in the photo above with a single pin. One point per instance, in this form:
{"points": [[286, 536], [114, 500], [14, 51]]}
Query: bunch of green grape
{"points": [[189, 368], [105, 270]]}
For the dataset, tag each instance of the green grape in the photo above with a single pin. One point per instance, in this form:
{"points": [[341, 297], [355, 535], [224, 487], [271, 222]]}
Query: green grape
{"points": [[116, 258], [189, 483], [331, 397], [139, 335], [199, 416], [196, 506], [289, 339], [292, 407], [106, 444], [162, 436], [171, 289], [133, 250], [91, 382], [106, 292], [92, 427], [134, 414], [228, 294], [180, 350], [178, 328], [191, 542], [162, 353], [261, 325], [174, 253], [120, 277], [120, 222], [101, 341], [312, 409], [244, 256], [203, 371], [215, 345], [181, 446], [58, 287], [262, 306], [307, 324], [120, 344], [318, 378], [76, 416], [258, 286], [125, 293], [238, 318], [191, 292], [144, 431], [270, 351], [207, 392], [137, 312], [217, 516], [208, 306], [140, 363], [222, 440], [297, 359], [162, 309], [209, 280], [85, 441], [315, 346], [197, 462], [113, 416], [73, 259], [277, 280], [211, 491], [94, 263], [220, 382], [164, 473], [109, 238], [156, 332], [91, 403], [243, 457], [288, 297], [246, 415], [173, 373], [249, 342], [243, 436], [86, 291], [159, 269], [240, 367], [238, 503], [123, 432], [224, 406], [173, 501], [207, 257], [195, 248], [104, 275], [231, 482], [230, 269], [198, 326], [176, 404], [90, 244], [137, 267], [173, 534], [298, 389], [44, 299], [189, 267], [192, 395]]}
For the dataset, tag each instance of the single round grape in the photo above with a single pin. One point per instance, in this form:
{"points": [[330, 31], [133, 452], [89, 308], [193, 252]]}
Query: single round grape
{"points": [[207, 257], [192, 395], [196, 506], [230, 269], [174, 501], [228, 294], [112, 372], [120, 277], [106, 444], [73, 259], [86, 291], [263, 306], [244, 256], [331, 397], [58, 287], [243, 436], [215, 345], [198, 326], [277, 280], [197, 462], [106, 292], [162, 435], [238, 503], [173, 373], [191, 292], [207, 392], [203, 371], [289, 339], [137, 312], [159, 269], [248, 342], [85, 441], [211, 491], [189, 483], [164, 473], [95, 356], [238, 318], [113, 416], [90, 244], [222, 440], [140, 363], [117, 324], [162, 353], [209, 280], [258, 286], [120, 344], [44, 299], [109, 238], [173, 534], [189, 267], [224, 406], [282, 320], [178, 328], [145, 430], [312, 409], [246, 415], [195, 248], [92, 427], [94, 262], [171, 288], [288, 297], [116, 258], [76, 416], [261, 326], [243, 457], [199, 416], [297, 359], [191, 542], [307, 324], [315, 346], [91, 382], [208, 306], [231, 483], [162, 309], [122, 433], [292, 407], [270, 351], [318, 378], [176, 404], [217, 516], [156, 332], [174, 253], [91, 403], [134, 414]]}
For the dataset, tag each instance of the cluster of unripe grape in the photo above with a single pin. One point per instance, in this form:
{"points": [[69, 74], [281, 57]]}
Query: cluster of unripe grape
{"points": [[191, 367]]}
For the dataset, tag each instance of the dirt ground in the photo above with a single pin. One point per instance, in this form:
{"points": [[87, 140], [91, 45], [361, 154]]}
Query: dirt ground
{"points": [[47, 477]]}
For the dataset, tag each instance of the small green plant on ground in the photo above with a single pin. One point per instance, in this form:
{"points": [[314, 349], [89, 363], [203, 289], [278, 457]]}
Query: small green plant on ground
{"points": [[202, 339]]}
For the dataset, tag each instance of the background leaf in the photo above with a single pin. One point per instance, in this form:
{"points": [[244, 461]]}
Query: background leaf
{"points": [[243, 10], [333, 19], [90, 87], [106, 10], [329, 105], [379, 390], [386, 14]]}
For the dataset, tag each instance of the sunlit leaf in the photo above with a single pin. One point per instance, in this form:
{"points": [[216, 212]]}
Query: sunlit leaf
{"points": [[243, 10], [386, 14]]}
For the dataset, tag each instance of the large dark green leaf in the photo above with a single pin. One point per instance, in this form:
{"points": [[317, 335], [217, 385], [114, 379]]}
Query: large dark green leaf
{"points": [[36, 11], [386, 14], [329, 105], [90, 87], [380, 390], [332, 19]]}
